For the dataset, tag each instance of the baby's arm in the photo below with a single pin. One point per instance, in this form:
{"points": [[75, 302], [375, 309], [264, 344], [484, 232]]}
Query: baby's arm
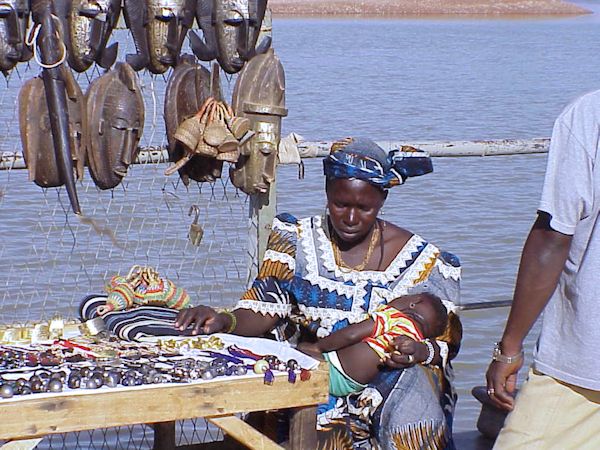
{"points": [[350, 335]]}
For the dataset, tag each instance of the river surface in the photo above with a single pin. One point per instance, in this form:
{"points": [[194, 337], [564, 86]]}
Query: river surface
{"points": [[387, 79]]}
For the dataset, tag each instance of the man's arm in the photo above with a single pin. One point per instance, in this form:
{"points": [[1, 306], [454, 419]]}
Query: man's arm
{"points": [[542, 261]]}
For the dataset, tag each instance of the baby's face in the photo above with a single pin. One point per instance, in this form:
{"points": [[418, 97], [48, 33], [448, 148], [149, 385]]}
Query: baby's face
{"points": [[421, 310]]}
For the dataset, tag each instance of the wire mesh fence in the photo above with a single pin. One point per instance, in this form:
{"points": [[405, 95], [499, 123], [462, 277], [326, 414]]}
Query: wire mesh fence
{"points": [[50, 259]]}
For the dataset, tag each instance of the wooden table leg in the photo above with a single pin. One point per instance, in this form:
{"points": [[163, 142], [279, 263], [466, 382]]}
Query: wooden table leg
{"points": [[303, 428], [25, 444], [164, 436], [244, 433]]}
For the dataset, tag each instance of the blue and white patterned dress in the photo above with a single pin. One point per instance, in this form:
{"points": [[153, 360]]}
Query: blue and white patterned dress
{"points": [[300, 282]]}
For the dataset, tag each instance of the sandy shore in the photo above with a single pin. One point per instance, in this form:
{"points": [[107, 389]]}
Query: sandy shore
{"points": [[422, 7]]}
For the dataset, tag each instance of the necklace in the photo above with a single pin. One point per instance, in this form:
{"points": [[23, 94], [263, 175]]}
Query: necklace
{"points": [[337, 253]]}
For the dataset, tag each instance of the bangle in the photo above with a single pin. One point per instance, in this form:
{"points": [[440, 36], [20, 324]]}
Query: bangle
{"points": [[497, 355], [429, 345], [233, 321]]}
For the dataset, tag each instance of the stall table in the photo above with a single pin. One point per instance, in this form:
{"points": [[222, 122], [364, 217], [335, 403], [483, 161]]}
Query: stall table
{"points": [[26, 420]]}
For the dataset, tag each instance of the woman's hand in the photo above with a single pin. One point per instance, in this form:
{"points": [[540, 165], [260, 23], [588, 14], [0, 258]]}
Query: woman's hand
{"points": [[205, 319], [408, 352]]}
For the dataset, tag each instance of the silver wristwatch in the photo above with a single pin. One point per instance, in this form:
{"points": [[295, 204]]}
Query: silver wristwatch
{"points": [[498, 356]]}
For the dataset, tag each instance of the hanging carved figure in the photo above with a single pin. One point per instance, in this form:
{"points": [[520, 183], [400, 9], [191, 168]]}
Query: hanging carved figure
{"points": [[14, 18], [237, 26], [34, 125], [115, 119], [259, 95], [187, 89], [87, 26], [50, 52], [205, 47], [158, 28]]}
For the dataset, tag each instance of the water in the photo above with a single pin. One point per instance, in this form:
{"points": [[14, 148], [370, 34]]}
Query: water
{"points": [[435, 79]]}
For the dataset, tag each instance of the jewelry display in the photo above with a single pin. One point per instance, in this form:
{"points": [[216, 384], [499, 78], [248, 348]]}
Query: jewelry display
{"points": [[101, 362]]}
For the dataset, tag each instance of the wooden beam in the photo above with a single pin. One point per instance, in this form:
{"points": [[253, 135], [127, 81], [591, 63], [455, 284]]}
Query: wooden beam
{"points": [[244, 433], [31, 417]]}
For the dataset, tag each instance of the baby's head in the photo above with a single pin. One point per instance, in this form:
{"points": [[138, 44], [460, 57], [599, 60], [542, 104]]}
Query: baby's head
{"points": [[427, 311]]}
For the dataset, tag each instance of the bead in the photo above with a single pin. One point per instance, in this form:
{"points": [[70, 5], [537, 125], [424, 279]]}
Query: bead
{"points": [[293, 364], [128, 381], [6, 391], [37, 385], [111, 379], [55, 385], [261, 366], [98, 379], [208, 374], [74, 381], [88, 383], [241, 370]]}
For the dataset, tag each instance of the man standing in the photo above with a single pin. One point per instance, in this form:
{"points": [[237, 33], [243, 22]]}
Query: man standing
{"points": [[558, 407]]}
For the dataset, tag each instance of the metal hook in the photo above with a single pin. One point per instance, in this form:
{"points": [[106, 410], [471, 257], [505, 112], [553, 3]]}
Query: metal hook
{"points": [[196, 210]]}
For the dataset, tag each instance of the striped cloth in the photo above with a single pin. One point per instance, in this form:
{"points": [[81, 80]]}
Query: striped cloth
{"points": [[389, 324], [135, 323]]}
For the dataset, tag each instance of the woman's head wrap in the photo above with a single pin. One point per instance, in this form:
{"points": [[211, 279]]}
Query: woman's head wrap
{"points": [[363, 159]]}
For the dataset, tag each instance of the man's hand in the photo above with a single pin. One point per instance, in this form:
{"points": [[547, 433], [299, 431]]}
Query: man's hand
{"points": [[502, 383]]}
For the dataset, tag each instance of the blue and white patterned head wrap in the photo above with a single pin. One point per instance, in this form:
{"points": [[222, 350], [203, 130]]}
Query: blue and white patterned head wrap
{"points": [[363, 159]]}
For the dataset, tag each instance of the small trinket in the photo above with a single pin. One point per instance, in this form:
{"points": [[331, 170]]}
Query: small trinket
{"points": [[55, 385], [291, 376], [208, 374], [261, 366], [6, 391], [97, 379], [269, 377], [241, 370], [37, 385], [304, 375], [74, 382], [293, 364]]}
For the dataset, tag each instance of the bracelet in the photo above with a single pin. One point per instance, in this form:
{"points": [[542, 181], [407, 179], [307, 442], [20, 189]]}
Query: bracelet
{"points": [[233, 321], [429, 345], [497, 355]]}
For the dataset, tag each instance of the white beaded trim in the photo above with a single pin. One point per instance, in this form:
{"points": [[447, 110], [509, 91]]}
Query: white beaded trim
{"points": [[448, 271], [305, 237], [285, 226], [284, 258], [264, 308]]}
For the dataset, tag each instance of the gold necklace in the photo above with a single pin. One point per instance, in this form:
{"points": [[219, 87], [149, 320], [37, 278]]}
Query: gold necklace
{"points": [[337, 253]]}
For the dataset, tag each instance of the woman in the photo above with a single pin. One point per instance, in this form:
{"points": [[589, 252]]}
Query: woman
{"points": [[322, 273]]}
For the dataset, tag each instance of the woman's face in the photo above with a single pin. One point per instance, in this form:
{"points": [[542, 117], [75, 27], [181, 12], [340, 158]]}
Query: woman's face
{"points": [[353, 207]]}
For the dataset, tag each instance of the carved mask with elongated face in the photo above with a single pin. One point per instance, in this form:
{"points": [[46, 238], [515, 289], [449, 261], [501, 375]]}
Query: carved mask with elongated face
{"points": [[14, 19]]}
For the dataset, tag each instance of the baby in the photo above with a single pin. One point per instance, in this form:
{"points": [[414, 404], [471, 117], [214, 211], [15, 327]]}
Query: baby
{"points": [[355, 352]]}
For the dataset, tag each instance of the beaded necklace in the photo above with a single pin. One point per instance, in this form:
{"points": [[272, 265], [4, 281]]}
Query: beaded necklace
{"points": [[337, 253]]}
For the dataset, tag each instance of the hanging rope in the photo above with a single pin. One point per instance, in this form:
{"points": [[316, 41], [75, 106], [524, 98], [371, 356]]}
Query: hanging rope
{"points": [[31, 42]]}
